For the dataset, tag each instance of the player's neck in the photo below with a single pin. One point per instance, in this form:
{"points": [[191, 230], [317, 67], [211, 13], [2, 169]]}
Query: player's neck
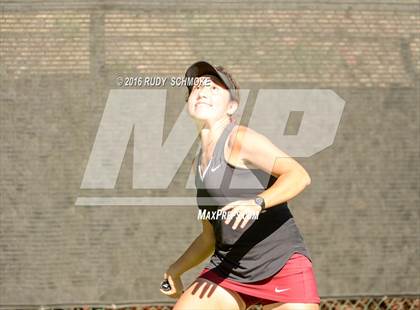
{"points": [[212, 131]]}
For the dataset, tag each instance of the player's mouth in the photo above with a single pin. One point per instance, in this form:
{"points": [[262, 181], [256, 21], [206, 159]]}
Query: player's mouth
{"points": [[202, 103]]}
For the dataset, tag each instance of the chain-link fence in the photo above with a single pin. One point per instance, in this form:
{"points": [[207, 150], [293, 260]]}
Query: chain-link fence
{"points": [[371, 303], [329, 303]]}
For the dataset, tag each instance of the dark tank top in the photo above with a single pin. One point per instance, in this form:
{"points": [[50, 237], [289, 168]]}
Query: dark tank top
{"points": [[263, 246]]}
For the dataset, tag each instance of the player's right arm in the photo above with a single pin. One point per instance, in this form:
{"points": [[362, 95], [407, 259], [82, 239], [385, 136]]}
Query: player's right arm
{"points": [[201, 248]]}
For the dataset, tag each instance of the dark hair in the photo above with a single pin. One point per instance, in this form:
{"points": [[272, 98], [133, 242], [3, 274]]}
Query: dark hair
{"points": [[234, 93]]}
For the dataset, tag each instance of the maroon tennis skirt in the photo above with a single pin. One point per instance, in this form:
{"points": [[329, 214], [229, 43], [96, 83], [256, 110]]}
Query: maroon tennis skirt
{"points": [[294, 283]]}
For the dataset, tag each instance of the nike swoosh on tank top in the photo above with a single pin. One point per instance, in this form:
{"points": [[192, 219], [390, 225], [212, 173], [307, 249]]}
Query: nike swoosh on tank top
{"points": [[263, 246]]}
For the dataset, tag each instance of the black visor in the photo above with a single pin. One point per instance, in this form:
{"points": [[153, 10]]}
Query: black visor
{"points": [[201, 68]]}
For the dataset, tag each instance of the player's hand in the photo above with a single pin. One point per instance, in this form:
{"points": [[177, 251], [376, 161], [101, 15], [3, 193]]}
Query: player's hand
{"points": [[177, 288], [243, 210]]}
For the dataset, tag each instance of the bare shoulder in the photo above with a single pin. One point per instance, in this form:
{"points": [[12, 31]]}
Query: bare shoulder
{"points": [[240, 138], [251, 148]]}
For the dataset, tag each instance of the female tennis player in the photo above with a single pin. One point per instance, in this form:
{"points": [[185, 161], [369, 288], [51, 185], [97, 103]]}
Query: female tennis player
{"points": [[258, 255]]}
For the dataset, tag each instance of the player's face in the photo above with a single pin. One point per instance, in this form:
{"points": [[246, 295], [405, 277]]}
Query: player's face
{"points": [[209, 99]]}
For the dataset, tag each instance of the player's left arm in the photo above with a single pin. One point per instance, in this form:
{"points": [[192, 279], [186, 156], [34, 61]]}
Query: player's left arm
{"points": [[258, 150]]}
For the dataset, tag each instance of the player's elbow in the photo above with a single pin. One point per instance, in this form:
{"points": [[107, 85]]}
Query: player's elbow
{"points": [[306, 179]]}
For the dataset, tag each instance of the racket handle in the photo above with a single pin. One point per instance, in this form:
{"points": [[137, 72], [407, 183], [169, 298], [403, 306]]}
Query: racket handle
{"points": [[165, 286]]}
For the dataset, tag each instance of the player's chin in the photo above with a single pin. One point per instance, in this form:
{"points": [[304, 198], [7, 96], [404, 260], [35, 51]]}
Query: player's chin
{"points": [[202, 116]]}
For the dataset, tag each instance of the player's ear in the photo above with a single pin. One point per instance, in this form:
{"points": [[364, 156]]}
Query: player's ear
{"points": [[233, 106]]}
